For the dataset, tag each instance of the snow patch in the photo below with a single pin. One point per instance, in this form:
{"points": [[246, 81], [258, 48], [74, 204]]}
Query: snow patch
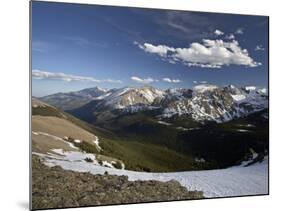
{"points": [[187, 129], [96, 142], [107, 164], [164, 123], [200, 160], [233, 181], [238, 98], [250, 88], [71, 145], [243, 130]]}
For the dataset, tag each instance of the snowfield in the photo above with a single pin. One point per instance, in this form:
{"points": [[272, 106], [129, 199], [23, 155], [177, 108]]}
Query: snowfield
{"points": [[233, 181]]}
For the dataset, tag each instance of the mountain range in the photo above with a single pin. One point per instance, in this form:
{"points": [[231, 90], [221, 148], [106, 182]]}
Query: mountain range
{"points": [[151, 129], [202, 103]]}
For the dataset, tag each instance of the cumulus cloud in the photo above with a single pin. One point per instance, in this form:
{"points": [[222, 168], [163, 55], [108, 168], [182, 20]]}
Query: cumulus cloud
{"points": [[161, 50], [239, 31], [259, 48], [208, 54], [38, 74], [169, 80], [218, 32], [143, 80]]}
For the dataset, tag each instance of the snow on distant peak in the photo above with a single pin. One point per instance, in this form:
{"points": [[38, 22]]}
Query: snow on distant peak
{"points": [[204, 87], [103, 96], [238, 97], [263, 90], [151, 93], [101, 89], [250, 88]]}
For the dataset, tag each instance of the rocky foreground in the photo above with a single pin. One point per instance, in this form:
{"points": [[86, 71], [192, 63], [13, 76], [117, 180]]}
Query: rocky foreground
{"points": [[57, 188]]}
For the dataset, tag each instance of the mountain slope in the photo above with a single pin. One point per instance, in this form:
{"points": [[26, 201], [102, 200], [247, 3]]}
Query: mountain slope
{"points": [[54, 130], [71, 100], [207, 123], [203, 103], [52, 125]]}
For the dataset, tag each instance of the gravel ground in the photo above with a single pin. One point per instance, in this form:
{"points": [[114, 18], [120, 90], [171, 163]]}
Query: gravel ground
{"points": [[56, 188]]}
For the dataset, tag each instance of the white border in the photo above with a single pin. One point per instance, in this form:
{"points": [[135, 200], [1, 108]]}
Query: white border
{"points": [[14, 84]]}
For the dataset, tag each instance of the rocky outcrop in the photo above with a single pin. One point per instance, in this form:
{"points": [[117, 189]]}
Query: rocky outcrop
{"points": [[56, 188]]}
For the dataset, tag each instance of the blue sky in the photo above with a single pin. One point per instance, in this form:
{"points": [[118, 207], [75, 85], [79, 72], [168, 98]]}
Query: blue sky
{"points": [[78, 46]]}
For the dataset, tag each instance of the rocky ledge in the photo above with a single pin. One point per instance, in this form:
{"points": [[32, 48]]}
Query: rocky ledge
{"points": [[56, 188]]}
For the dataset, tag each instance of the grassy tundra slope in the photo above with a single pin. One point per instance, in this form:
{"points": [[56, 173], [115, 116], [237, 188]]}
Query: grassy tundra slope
{"points": [[136, 155]]}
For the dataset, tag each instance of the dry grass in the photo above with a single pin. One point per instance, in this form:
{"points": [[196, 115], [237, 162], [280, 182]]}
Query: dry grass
{"points": [[44, 144], [60, 127], [57, 127]]}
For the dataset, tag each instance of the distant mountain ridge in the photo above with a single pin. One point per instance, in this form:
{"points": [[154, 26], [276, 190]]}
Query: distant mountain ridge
{"points": [[71, 100], [201, 103]]}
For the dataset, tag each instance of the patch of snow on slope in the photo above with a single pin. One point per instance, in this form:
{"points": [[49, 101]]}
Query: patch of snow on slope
{"points": [[103, 96], [107, 164], [238, 98], [187, 129], [263, 90], [243, 130], [75, 156], [114, 98], [200, 160], [96, 142], [151, 94], [250, 88], [137, 107], [71, 145], [102, 89], [233, 181], [164, 123]]}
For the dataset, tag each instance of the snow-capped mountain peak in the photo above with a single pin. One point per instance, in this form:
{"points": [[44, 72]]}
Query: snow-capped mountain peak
{"points": [[122, 98], [250, 88], [205, 102]]}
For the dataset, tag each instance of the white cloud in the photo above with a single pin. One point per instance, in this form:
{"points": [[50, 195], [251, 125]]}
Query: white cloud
{"points": [[143, 80], [169, 80], [200, 82], [161, 50], [203, 65], [239, 31], [259, 48], [218, 32], [42, 46], [208, 54], [38, 74]]}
